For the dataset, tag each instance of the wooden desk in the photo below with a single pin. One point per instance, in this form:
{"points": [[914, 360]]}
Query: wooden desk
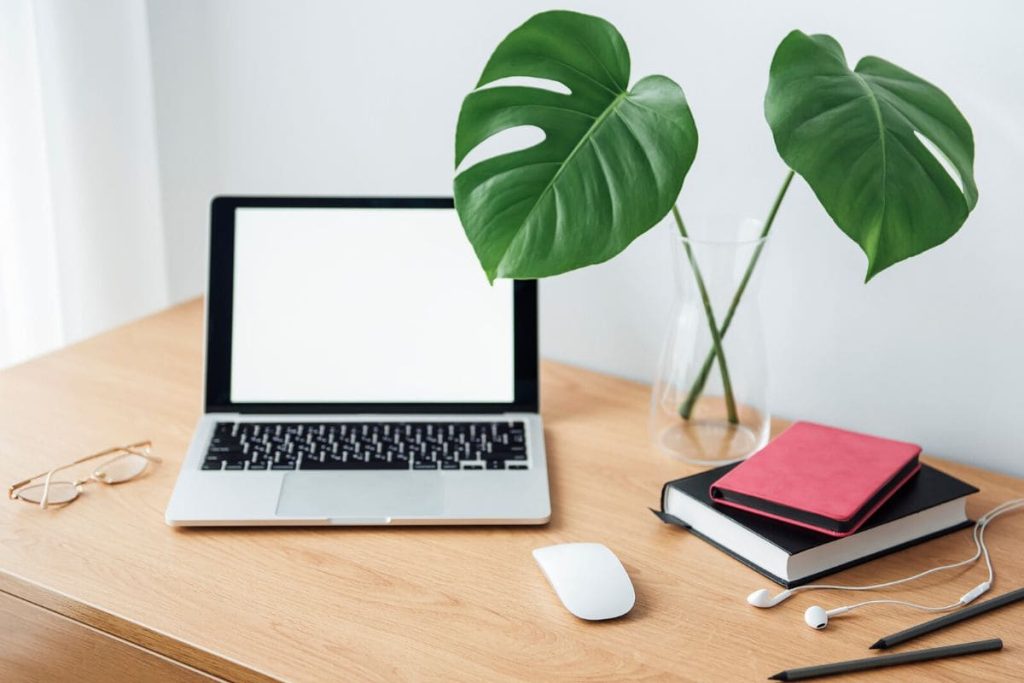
{"points": [[103, 588]]}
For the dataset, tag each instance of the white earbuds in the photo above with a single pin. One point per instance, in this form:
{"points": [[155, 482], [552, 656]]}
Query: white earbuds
{"points": [[763, 599], [817, 617]]}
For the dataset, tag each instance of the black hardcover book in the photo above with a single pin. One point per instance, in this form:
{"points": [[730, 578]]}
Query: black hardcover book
{"points": [[931, 504]]}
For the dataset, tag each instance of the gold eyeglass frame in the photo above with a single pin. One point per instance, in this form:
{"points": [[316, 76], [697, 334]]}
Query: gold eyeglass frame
{"points": [[140, 448]]}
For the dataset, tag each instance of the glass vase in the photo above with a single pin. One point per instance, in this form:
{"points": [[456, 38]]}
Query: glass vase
{"points": [[693, 417]]}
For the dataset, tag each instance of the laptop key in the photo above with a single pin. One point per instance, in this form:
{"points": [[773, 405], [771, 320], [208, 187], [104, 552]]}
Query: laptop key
{"points": [[310, 465], [504, 454]]}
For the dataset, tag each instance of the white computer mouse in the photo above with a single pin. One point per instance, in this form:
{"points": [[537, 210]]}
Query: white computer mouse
{"points": [[588, 578]]}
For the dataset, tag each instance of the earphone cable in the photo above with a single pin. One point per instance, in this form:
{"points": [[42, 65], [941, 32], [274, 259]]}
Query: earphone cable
{"points": [[906, 603], [977, 535]]}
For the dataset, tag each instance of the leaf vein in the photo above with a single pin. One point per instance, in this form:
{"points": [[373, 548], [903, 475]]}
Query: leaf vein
{"points": [[884, 180], [823, 113], [678, 124], [587, 137], [585, 46], [641, 146]]}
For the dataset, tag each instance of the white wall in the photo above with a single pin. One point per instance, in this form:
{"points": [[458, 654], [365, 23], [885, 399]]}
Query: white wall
{"points": [[80, 231], [361, 98]]}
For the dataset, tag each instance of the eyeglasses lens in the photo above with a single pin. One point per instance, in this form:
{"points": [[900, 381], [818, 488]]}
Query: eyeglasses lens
{"points": [[122, 468], [60, 492]]}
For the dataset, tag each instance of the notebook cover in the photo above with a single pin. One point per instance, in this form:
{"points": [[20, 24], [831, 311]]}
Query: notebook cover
{"points": [[928, 488], [822, 478]]}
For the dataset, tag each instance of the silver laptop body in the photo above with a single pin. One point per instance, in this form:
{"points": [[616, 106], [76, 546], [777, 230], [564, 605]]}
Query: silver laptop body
{"points": [[360, 370]]}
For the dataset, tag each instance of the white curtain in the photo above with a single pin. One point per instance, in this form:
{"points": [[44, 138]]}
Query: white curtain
{"points": [[81, 242]]}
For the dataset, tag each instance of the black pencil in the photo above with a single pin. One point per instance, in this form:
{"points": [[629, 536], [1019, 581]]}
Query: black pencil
{"points": [[888, 660], [948, 619]]}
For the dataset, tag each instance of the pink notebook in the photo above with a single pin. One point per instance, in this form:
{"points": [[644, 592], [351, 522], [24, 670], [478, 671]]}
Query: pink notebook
{"points": [[822, 478]]}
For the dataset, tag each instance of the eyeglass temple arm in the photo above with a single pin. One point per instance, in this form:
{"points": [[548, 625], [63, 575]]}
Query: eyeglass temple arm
{"points": [[46, 490], [144, 454]]}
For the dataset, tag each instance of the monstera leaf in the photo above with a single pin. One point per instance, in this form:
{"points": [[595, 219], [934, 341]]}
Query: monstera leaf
{"points": [[888, 154], [610, 166]]}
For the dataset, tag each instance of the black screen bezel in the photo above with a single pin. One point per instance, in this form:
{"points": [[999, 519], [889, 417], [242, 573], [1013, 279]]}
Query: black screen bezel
{"points": [[219, 316]]}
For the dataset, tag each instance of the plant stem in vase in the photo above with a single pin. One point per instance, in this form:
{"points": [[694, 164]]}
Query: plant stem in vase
{"points": [[686, 408], [716, 336]]}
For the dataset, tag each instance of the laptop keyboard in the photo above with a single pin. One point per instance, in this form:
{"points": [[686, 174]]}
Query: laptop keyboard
{"points": [[367, 446]]}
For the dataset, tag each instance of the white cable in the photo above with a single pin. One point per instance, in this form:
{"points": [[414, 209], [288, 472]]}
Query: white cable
{"points": [[978, 535], [905, 603]]}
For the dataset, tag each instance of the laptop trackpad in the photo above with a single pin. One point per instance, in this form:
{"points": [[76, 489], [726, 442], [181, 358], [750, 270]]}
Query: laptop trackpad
{"points": [[367, 495]]}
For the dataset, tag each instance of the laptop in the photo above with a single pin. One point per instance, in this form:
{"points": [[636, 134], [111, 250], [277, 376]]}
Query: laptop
{"points": [[360, 370]]}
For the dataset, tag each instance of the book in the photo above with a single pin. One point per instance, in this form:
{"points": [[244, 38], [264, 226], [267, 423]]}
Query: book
{"points": [[827, 479], [931, 504]]}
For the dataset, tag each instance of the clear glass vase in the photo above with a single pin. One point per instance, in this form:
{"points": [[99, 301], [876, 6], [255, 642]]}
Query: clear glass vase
{"points": [[692, 418]]}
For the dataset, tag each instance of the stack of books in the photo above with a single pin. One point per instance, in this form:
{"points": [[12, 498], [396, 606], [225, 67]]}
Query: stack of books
{"points": [[817, 500]]}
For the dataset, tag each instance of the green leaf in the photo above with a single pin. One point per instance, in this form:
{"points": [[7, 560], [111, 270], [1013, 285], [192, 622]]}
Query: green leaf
{"points": [[861, 140], [610, 166]]}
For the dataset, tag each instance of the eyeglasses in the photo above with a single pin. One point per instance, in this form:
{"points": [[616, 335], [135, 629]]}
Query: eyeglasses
{"points": [[128, 462]]}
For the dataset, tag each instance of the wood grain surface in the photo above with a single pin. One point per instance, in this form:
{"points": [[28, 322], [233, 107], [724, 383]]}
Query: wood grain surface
{"points": [[427, 603], [39, 645]]}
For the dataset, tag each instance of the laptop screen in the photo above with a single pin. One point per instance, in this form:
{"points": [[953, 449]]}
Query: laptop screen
{"points": [[360, 305]]}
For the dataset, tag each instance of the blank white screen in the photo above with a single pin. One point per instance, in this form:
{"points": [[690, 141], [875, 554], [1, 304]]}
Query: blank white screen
{"points": [[335, 305]]}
